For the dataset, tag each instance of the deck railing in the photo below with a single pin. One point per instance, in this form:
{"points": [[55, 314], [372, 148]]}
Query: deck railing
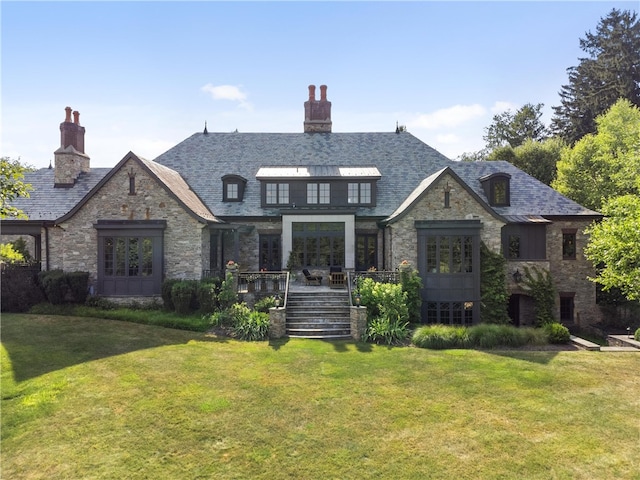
{"points": [[268, 282]]}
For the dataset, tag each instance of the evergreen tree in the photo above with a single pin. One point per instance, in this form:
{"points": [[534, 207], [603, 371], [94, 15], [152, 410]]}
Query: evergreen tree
{"points": [[611, 71], [509, 129]]}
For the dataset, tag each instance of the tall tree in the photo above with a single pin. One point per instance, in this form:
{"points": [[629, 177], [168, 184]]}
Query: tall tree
{"points": [[538, 159], [512, 129], [12, 186], [611, 71], [606, 164], [615, 244]]}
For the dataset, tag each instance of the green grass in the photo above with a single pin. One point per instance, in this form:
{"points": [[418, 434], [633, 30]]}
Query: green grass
{"points": [[90, 398]]}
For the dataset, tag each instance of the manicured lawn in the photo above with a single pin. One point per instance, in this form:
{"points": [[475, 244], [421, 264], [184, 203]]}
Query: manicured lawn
{"points": [[89, 398]]}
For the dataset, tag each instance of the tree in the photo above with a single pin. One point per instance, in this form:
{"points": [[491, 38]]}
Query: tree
{"points": [[611, 71], [12, 186], [606, 164], [509, 129], [615, 244], [538, 159]]}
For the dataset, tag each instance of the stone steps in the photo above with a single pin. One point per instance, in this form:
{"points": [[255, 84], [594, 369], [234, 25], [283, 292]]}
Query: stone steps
{"points": [[322, 315]]}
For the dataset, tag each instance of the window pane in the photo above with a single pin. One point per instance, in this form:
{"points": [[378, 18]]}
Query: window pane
{"points": [[312, 193], [432, 266], [456, 253], [352, 193], [108, 255], [120, 253], [569, 245], [444, 255], [325, 193], [232, 191], [147, 257], [133, 257], [365, 193], [514, 246], [468, 254], [500, 193], [283, 194], [272, 193]]}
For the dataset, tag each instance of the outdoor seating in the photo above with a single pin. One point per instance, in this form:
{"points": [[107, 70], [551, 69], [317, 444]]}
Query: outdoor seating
{"points": [[337, 278], [311, 279]]}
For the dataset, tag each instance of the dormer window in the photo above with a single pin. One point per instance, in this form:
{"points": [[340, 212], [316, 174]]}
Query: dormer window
{"points": [[233, 188], [497, 189]]}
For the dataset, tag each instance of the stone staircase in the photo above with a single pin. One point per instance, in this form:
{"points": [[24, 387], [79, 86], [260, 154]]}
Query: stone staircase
{"points": [[318, 315]]}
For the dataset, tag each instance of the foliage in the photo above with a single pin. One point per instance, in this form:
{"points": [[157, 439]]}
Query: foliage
{"points": [[167, 286], [12, 186], [78, 283], [615, 245], [222, 318], [539, 284], [182, 296], [610, 72], [9, 254], [557, 333], [54, 285], [606, 164], [228, 295], [537, 158], [208, 296], [412, 285], [513, 129], [264, 304], [636, 336], [439, 337], [248, 324], [20, 289], [386, 330], [494, 296]]}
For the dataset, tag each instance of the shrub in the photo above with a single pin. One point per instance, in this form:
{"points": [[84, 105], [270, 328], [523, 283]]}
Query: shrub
{"points": [[54, 285], [78, 285], [412, 286], [387, 331], [491, 336], [101, 303], [439, 337], [248, 324], [167, 286], [264, 304], [222, 318], [557, 333], [542, 290], [207, 297], [19, 290], [228, 295], [182, 296], [637, 335], [493, 290]]}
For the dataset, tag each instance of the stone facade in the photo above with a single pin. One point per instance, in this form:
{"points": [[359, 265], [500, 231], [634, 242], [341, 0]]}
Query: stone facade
{"points": [[74, 243]]}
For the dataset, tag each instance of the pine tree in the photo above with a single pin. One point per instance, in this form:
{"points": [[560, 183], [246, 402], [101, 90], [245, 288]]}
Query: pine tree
{"points": [[611, 72]]}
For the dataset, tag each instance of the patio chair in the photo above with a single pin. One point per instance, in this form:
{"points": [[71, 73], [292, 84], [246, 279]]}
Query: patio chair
{"points": [[311, 279], [337, 277]]}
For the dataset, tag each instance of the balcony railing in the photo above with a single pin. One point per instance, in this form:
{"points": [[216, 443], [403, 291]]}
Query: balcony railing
{"points": [[268, 282]]}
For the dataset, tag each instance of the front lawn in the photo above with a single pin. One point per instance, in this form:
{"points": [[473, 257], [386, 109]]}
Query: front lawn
{"points": [[91, 398]]}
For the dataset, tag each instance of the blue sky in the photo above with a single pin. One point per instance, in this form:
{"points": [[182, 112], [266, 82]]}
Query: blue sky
{"points": [[146, 75]]}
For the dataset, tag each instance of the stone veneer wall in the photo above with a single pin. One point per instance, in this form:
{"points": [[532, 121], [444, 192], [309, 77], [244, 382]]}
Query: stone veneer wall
{"points": [[74, 244], [570, 276], [402, 236]]}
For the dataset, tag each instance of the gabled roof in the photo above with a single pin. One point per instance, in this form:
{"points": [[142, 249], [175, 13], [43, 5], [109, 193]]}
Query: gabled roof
{"points": [[170, 180], [47, 203], [528, 196], [425, 186]]}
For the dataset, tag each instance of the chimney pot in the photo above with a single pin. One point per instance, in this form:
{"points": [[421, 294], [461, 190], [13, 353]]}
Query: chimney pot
{"points": [[67, 117], [323, 93], [76, 117], [312, 93]]}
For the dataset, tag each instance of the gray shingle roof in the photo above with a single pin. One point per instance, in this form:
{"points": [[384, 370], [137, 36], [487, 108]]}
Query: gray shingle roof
{"points": [[49, 203]]}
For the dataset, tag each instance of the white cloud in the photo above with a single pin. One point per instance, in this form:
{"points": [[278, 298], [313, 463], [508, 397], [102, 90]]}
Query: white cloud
{"points": [[501, 106], [448, 117], [448, 138], [227, 92]]}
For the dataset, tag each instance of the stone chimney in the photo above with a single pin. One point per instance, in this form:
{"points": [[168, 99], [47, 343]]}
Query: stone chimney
{"points": [[70, 159], [317, 113]]}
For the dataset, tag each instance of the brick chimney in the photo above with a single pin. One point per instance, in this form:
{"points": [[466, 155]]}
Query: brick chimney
{"points": [[70, 159], [317, 113]]}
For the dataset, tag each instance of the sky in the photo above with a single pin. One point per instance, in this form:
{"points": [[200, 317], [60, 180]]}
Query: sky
{"points": [[146, 75]]}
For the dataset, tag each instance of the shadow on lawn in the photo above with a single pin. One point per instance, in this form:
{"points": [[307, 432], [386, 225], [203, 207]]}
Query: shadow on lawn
{"points": [[39, 344], [542, 355]]}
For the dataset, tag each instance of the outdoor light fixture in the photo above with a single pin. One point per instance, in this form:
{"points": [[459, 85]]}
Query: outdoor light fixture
{"points": [[357, 299], [517, 276], [278, 300], [629, 332]]}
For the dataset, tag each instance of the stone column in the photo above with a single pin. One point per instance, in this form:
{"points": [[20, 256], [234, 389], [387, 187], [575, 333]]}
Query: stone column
{"points": [[358, 322], [277, 322]]}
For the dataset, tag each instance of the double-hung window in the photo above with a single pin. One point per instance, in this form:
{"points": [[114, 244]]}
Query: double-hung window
{"points": [[277, 193], [318, 193], [359, 193]]}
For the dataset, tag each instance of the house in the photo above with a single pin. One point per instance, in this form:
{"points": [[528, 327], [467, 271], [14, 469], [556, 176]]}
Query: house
{"points": [[313, 199]]}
